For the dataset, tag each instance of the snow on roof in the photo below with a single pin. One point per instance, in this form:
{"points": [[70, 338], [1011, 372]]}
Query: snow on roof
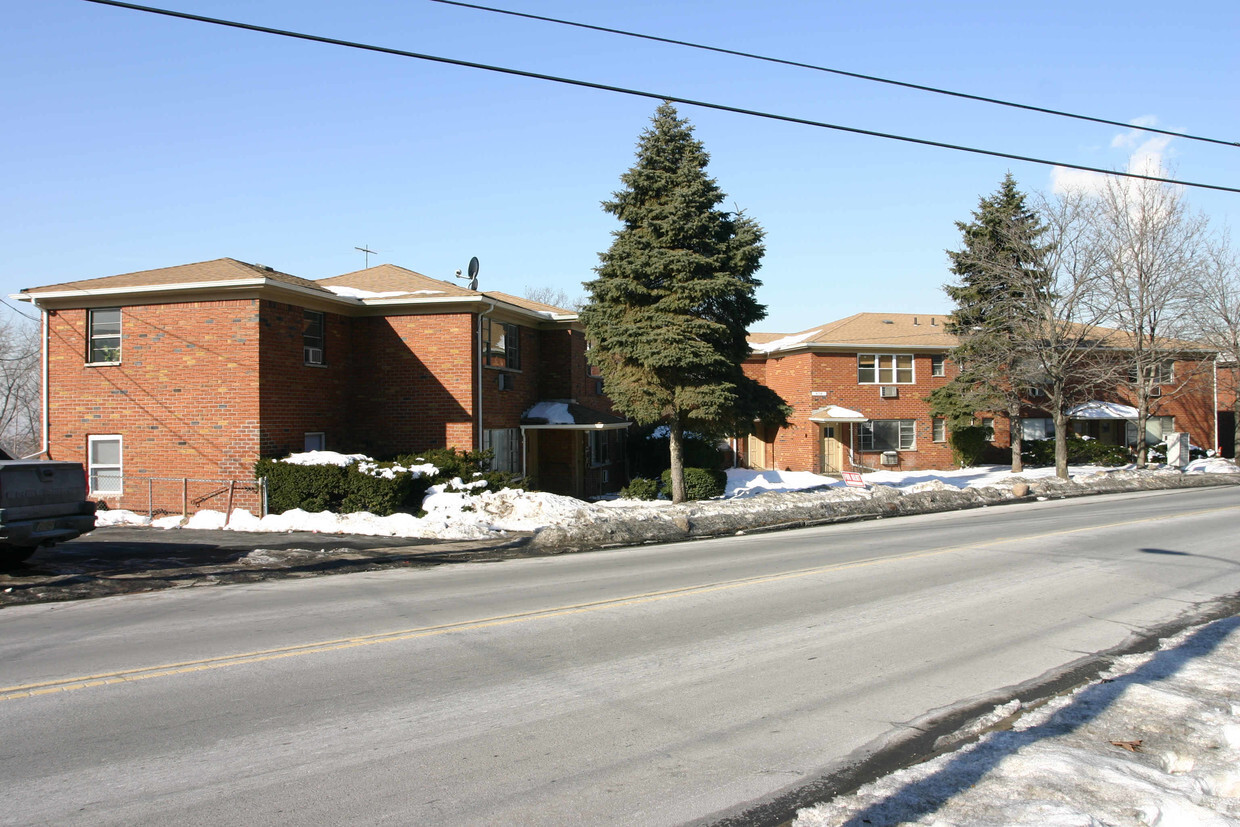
{"points": [[556, 413], [835, 413], [1102, 410], [786, 341], [357, 293]]}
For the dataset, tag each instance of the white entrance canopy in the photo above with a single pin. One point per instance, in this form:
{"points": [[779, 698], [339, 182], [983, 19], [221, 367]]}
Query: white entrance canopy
{"points": [[834, 413], [1103, 410]]}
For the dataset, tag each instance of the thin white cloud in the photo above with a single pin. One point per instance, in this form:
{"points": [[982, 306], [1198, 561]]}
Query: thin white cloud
{"points": [[1146, 156]]}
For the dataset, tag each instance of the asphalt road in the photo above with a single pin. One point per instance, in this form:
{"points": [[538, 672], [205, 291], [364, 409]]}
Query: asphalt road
{"points": [[653, 685]]}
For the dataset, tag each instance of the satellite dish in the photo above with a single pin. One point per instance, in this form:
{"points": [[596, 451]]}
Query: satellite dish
{"points": [[473, 273]]}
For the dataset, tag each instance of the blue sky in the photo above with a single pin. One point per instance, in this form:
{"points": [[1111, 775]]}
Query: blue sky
{"points": [[134, 141]]}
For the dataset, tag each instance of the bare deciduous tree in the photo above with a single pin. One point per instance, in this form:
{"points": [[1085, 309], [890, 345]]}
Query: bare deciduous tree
{"points": [[555, 296], [1154, 251], [1219, 300], [19, 384]]}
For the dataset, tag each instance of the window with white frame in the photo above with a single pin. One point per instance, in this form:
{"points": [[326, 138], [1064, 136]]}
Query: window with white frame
{"points": [[313, 337], [1037, 428], [1156, 430], [889, 435], [938, 428], [884, 368], [505, 445], [104, 334], [501, 344], [104, 464], [938, 365]]}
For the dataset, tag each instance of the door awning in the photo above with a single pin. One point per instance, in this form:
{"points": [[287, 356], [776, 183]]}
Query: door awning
{"points": [[569, 416], [834, 413], [1103, 410]]}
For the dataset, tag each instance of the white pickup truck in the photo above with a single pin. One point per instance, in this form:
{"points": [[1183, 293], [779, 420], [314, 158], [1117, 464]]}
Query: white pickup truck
{"points": [[41, 502]]}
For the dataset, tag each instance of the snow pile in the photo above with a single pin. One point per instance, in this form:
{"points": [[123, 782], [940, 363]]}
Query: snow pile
{"points": [[1155, 741], [459, 510], [323, 458], [1213, 465], [358, 293], [372, 468], [743, 482], [556, 413]]}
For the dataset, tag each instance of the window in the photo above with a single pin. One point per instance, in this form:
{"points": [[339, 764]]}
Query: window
{"points": [[505, 445], [939, 429], [938, 365], [1164, 372], [1156, 430], [989, 425], [315, 441], [889, 435], [501, 345], [884, 369], [600, 448], [1043, 428], [312, 337], [104, 335], [104, 455]]}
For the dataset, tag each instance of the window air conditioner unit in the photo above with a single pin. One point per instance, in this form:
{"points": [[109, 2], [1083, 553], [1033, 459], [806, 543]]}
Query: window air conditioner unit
{"points": [[890, 458], [505, 381], [314, 355], [606, 475], [889, 392]]}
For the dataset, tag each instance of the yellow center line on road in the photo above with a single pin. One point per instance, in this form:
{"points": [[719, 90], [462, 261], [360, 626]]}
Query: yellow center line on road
{"points": [[259, 656]]}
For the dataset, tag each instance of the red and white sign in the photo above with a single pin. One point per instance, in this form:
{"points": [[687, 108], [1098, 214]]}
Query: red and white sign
{"points": [[853, 479]]}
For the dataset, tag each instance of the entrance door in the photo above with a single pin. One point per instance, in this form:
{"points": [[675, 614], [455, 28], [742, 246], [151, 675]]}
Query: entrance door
{"points": [[832, 450]]}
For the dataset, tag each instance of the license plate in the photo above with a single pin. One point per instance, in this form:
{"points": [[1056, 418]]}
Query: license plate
{"points": [[44, 525]]}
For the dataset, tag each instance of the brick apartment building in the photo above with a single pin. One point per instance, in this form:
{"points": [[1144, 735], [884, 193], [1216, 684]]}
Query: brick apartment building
{"points": [[858, 389], [196, 371]]}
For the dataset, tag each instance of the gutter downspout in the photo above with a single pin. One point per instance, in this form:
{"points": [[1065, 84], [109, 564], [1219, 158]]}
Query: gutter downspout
{"points": [[481, 433], [1217, 445], [46, 406]]}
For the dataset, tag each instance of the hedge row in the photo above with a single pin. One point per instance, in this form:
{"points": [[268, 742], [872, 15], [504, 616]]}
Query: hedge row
{"points": [[381, 488]]}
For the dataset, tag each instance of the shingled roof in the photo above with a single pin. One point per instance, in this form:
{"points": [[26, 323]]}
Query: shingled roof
{"points": [[219, 270], [893, 330], [391, 279]]}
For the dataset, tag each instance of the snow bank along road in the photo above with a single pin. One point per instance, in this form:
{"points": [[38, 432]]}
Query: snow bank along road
{"points": [[646, 686]]}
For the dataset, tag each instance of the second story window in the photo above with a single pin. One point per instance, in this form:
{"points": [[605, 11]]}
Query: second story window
{"points": [[104, 335], [884, 369], [501, 345], [312, 337], [938, 365]]}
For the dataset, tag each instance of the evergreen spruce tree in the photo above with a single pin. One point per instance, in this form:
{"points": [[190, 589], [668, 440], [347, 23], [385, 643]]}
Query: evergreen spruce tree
{"points": [[998, 267], [668, 314]]}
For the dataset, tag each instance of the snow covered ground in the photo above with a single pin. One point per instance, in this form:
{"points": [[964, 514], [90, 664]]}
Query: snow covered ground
{"points": [[453, 513], [1154, 741]]}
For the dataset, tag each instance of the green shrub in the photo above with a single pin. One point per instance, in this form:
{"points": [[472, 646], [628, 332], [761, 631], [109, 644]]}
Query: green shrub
{"points": [[308, 487], [650, 455], [469, 466], [640, 488], [700, 483], [366, 490], [1081, 451], [969, 444]]}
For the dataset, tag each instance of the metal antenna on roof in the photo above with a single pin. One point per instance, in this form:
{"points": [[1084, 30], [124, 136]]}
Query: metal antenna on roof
{"points": [[369, 252]]}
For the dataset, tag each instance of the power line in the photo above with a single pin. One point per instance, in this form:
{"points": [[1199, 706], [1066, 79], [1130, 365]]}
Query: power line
{"points": [[652, 95], [858, 75]]}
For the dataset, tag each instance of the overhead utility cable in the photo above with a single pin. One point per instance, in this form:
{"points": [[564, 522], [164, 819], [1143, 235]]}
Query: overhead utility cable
{"points": [[652, 95], [858, 75]]}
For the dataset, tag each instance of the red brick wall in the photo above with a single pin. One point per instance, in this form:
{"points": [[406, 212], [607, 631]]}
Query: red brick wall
{"points": [[413, 383], [503, 408], [296, 398], [184, 398], [796, 377]]}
